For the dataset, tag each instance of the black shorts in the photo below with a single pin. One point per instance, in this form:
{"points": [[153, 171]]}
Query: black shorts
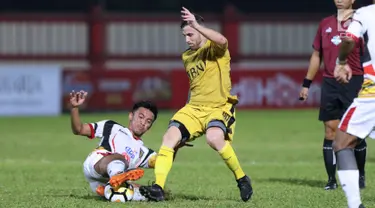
{"points": [[336, 98]]}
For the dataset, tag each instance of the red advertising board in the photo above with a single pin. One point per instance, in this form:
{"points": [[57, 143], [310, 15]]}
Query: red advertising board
{"points": [[119, 89], [260, 89], [256, 89]]}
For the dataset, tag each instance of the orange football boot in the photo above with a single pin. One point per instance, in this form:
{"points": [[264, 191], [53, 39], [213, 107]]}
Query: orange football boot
{"points": [[131, 175], [100, 190]]}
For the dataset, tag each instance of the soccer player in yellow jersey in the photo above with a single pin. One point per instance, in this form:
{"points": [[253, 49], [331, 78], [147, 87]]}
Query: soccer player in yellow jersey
{"points": [[210, 109]]}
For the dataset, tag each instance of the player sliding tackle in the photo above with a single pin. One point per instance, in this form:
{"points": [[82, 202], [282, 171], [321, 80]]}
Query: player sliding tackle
{"points": [[210, 110], [120, 151]]}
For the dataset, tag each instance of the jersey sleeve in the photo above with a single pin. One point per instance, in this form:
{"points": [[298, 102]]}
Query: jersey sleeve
{"points": [[218, 50], [358, 26], [97, 128], [317, 44], [148, 158]]}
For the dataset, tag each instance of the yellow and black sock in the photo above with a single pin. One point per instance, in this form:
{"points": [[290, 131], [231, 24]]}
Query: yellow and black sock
{"points": [[230, 158], [163, 165]]}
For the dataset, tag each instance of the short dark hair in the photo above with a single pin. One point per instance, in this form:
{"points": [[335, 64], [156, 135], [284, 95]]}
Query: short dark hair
{"points": [[148, 105], [199, 19]]}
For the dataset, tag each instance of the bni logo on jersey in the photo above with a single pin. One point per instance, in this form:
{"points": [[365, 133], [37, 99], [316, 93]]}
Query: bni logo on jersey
{"points": [[130, 152], [342, 25]]}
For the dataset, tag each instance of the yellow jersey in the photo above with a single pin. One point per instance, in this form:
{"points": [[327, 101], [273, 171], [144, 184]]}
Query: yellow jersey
{"points": [[208, 69]]}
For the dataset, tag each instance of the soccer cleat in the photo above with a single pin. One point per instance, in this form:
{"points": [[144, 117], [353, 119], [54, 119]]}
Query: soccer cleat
{"points": [[331, 185], [246, 190], [362, 182], [130, 175], [153, 192], [361, 206], [100, 190]]}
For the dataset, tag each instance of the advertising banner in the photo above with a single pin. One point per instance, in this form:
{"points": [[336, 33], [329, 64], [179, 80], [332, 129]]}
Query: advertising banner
{"points": [[259, 89], [30, 90], [274, 89], [256, 89]]}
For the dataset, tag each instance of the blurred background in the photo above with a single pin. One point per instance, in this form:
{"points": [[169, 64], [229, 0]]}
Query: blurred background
{"points": [[123, 51]]}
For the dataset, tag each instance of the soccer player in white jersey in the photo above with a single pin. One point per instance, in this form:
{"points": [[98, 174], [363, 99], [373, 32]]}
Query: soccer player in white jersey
{"points": [[121, 152], [359, 119]]}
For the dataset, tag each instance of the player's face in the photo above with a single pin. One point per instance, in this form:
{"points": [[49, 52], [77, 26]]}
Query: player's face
{"points": [[192, 37], [344, 4], [140, 121]]}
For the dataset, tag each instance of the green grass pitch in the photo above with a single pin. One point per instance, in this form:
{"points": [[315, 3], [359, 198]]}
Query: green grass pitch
{"points": [[41, 164]]}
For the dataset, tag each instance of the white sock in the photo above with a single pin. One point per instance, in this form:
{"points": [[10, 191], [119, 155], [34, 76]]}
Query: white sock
{"points": [[115, 167], [349, 183]]}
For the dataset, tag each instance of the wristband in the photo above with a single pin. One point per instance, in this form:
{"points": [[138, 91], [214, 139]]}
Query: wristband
{"points": [[306, 83], [338, 62], [343, 62]]}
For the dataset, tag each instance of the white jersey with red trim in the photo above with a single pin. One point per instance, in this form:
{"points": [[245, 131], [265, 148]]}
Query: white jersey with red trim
{"points": [[116, 138], [363, 26]]}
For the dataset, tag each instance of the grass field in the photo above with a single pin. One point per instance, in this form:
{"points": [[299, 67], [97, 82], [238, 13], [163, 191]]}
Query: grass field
{"points": [[41, 164]]}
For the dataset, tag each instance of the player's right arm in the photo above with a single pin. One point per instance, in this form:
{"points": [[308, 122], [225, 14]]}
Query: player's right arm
{"points": [[358, 27], [218, 42], [356, 30], [314, 65], [90, 130], [78, 128]]}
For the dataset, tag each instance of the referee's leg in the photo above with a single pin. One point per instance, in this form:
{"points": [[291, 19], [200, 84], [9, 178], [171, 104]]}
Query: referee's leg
{"points": [[329, 114], [330, 127]]}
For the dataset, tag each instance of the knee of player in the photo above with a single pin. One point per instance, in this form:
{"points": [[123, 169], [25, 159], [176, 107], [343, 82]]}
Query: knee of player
{"points": [[172, 137], [215, 137], [339, 145], [343, 140], [101, 166], [336, 146], [112, 157], [117, 156]]}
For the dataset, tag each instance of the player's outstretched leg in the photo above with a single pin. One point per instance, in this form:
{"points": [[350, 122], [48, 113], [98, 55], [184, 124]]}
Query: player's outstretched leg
{"points": [[347, 167], [163, 165], [116, 167], [215, 138], [360, 152]]}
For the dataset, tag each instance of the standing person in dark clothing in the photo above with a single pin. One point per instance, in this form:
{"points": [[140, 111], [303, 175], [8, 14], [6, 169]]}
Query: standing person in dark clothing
{"points": [[335, 97]]}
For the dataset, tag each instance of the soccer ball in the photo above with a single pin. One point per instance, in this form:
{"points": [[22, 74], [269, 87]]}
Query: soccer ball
{"points": [[122, 194]]}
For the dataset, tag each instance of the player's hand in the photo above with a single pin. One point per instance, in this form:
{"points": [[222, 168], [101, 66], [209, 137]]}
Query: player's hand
{"points": [[187, 16], [303, 94], [77, 98], [343, 73]]}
